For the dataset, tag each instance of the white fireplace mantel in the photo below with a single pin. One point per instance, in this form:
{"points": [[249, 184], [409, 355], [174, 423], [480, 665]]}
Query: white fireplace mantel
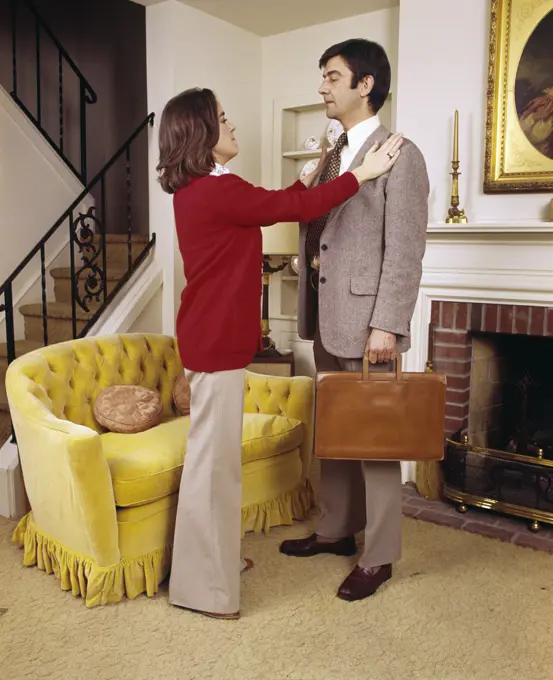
{"points": [[497, 228], [488, 262]]}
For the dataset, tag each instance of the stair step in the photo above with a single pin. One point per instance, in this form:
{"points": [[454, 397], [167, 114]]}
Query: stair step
{"points": [[112, 273], [60, 326], [5, 427], [4, 407], [117, 249], [62, 283], [5, 419], [122, 238], [21, 347], [55, 310]]}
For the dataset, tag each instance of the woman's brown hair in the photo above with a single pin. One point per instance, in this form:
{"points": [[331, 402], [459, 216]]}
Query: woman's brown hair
{"points": [[188, 133]]}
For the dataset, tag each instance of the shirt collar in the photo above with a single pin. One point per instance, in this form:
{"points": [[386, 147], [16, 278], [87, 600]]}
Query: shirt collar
{"points": [[359, 133], [219, 170]]}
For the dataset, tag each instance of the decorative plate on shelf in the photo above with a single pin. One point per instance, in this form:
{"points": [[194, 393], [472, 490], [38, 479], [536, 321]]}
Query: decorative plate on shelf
{"points": [[313, 143], [308, 168], [333, 131]]}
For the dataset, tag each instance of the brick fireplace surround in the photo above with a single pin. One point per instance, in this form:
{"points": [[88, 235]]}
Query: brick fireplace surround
{"points": [[450, 349]]}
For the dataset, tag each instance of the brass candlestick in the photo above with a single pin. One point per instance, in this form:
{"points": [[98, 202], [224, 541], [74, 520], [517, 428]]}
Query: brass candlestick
{"points": [[455, 215]]}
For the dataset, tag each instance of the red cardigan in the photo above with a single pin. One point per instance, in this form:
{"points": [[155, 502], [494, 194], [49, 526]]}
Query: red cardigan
{"points": [[217, 220]]}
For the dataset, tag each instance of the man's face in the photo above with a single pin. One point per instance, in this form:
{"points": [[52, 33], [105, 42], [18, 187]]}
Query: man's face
{"points": [[342, 101]]}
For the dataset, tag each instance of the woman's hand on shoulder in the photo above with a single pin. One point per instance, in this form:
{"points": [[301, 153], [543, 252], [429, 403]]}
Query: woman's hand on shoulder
{"points": [[379, 159]]}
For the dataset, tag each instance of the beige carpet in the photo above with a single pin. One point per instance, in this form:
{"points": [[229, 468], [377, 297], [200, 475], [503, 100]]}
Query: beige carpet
{"points": [[460, 607]]}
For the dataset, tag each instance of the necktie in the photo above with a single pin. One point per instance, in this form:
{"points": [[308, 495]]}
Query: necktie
{"points": [[330, 172]]}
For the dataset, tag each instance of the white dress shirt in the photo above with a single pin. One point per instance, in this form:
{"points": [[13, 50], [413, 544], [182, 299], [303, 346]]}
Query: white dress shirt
{"points": [[219, 170], [357, 136]]}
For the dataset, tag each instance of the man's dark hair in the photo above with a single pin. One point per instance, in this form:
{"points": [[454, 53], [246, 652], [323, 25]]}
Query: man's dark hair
{"points": [[188, 132], [364, 58]]}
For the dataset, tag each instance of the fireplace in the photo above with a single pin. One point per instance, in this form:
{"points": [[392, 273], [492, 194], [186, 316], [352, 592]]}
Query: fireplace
{"points": [[511, 394], [499, 415]]}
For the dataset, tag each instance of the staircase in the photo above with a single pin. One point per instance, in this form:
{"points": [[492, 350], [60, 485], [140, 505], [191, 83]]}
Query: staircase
{"points": [[94, 265]]}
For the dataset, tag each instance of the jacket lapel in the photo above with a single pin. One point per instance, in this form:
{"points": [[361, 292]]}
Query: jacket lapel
{"points": [[379, 136]]}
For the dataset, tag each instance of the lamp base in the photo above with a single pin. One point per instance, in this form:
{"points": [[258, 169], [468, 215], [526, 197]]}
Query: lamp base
{"points": [[269, 349]]}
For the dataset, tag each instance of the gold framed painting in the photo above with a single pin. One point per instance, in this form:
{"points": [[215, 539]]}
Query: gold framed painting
{"points": [[519, 121]]}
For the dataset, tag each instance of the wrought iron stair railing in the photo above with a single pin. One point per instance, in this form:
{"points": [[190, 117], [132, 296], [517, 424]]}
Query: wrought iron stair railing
{"points": [[87, 232], [35, 112]]}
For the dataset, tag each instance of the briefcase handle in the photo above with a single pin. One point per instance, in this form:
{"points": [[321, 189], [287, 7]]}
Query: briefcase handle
{"points": [[366, 367]]}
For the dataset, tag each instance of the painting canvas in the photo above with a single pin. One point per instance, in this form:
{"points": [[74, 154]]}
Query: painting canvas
{"points": [[519, 126]]}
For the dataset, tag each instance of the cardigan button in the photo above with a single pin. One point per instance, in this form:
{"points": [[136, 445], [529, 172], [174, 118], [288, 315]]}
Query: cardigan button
{"points": [[324, 247], [322, 279]]}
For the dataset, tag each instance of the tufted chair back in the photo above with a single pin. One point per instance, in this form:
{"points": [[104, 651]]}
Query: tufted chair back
{"points": [[294, 398], [66, 378]]}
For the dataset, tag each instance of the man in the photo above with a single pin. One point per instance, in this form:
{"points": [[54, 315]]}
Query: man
{"points": [[360, 272]]}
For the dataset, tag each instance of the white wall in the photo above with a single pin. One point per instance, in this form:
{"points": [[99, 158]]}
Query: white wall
{"points": [[36, 187], [291, 64], [150, 320], [443, 65], [188, 48]]}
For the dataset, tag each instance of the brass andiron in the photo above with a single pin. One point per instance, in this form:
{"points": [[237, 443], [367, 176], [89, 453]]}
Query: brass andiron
{"points": [[430, 355], [455, 215]]}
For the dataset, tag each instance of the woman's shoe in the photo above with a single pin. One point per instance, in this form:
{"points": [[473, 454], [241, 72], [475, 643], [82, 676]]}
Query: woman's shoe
{"points": [[214, 615], [247, 565], [223, 617]]}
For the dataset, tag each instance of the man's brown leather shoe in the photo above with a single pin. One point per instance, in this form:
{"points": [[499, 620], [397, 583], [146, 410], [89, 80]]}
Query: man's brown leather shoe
{"points": [[307, 547], [362, 583]]}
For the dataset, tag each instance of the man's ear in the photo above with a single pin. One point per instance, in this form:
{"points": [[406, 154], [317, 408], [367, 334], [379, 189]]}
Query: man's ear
{"points": [[366, 85]]}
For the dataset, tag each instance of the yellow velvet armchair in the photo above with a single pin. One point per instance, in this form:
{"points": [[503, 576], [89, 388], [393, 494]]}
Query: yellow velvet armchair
{"points": [[103, 504]]}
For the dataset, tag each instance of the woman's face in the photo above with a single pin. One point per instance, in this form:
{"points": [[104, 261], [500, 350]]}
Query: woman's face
{"points": [[227, 147]]}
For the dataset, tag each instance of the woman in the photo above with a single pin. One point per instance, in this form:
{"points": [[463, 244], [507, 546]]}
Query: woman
{"points": [[217, 217]]}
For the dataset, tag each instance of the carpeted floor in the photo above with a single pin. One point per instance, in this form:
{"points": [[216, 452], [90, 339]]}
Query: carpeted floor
{"points": [[460, 607]]}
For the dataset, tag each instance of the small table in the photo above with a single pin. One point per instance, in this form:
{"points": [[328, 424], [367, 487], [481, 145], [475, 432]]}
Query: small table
{"points": [[283, 365]]}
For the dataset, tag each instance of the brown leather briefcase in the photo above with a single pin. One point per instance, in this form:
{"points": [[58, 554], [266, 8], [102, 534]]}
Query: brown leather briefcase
{"points": [[380, 416]]}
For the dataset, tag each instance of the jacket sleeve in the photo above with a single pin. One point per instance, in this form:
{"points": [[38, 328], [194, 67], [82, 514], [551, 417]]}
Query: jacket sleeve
{"points": [[406, 221], [249, 206]]}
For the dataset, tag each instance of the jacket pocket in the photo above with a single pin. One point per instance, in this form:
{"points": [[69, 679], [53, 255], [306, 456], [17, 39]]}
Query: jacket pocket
{"points": [[364, 285]]}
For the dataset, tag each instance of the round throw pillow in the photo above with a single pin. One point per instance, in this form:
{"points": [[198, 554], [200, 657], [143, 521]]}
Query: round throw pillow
{"points": [[128, 408], [181, 395]]}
